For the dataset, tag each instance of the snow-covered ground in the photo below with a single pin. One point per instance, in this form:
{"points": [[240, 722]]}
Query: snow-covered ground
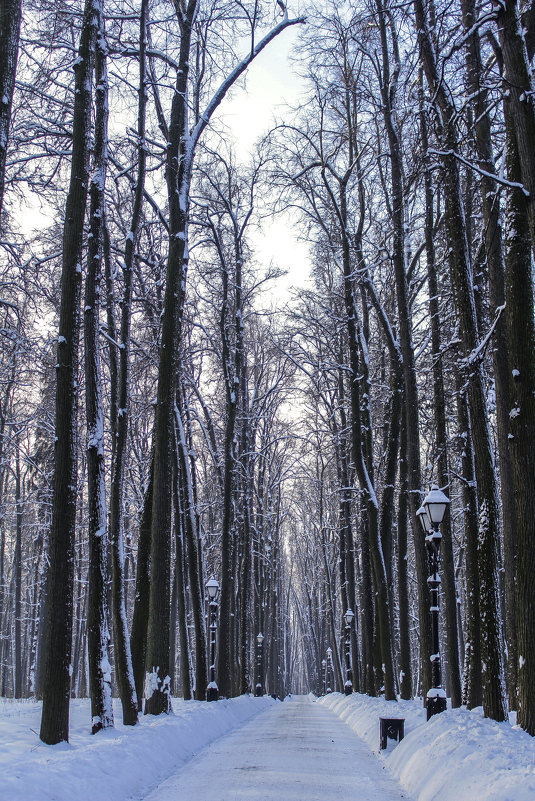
{"points": [[458, 756], [114, 765], [296, 751]]}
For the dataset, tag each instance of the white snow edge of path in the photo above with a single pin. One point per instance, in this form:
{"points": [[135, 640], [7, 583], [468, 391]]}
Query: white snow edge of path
{"points": [[457, 756], [125, 762]]}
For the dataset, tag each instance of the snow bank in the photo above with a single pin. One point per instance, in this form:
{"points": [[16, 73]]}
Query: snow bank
{"points": [[458, 756], [113, 765]]}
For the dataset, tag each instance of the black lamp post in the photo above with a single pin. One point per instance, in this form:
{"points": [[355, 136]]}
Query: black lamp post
{"points": [[329, 668], [212, 588], [259, 689], [324, 668], [348, 686], [431, 514]]}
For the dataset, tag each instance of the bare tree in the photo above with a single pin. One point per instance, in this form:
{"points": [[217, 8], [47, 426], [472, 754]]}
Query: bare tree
{"points": [[56, 685]]}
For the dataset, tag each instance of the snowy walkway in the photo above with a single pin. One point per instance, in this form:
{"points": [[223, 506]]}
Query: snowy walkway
{"points": [[295, 751]]}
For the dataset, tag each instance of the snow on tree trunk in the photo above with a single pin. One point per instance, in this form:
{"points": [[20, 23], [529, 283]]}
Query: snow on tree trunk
{"points": [[520, 316], [97, 609], [57, 668], [10, 17]]}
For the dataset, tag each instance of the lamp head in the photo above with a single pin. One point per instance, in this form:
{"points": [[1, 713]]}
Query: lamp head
{"points": [[349, 615], [435, 504], [212, 588]]}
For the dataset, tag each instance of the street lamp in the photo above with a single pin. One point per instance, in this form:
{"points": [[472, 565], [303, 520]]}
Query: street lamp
{"points": [[324, 668], [431, 515], [348, 686], [212, 588], [330, 671], [258, 689]]}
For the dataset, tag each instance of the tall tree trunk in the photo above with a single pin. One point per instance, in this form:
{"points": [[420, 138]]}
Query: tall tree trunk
{"points": [[178, 176], [521, 100], [520, 326], [226, 617], [97, 607], [405, 664], [184, 648], [490, 202], [56, 686], [140, 619], [192, 549], [10, 17], [366, 605], [473, 693], [17, 572], [122, 653]]}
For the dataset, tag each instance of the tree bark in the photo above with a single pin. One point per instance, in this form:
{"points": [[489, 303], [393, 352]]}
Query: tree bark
{"points": [[140, 619], [473, 688], [405, 664], [17, 571], [521, 100], [122, 653], [10, 17], [493, 238], [56, 686], [193, 561], [520, 326], [97, 606]]}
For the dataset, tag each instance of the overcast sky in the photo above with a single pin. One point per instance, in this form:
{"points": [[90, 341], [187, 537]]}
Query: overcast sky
{"points": [[271, 84]]}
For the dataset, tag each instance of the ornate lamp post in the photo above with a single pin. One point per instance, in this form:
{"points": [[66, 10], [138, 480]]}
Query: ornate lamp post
{"points": [[212, 588], [431, 514], [330, 671], [348, 686], [259, 691], [324, 669]]}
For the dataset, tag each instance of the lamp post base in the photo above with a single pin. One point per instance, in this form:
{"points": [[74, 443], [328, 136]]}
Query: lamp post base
{"points": [[212, 692], [435, 705]]}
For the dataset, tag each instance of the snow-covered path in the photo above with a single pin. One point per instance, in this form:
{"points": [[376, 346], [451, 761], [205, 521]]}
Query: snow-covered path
{"points": [[295, 751]]}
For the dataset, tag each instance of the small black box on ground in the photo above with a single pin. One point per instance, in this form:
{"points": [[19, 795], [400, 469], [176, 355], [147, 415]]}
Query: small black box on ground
{"points": [[393, 728]]}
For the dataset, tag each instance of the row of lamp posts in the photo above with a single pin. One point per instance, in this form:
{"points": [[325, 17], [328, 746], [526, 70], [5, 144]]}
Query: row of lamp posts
{"points": [[431, 514], [212, 691]]}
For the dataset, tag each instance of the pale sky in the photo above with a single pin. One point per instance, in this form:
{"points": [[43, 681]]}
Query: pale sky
{"points": [[271, 83]]}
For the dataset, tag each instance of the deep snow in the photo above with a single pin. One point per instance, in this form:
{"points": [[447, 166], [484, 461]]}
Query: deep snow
{"points": [[457, 756], [115, 764]]}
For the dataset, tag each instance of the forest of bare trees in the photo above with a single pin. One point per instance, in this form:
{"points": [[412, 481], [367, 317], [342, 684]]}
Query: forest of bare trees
{"points": [[169, 414]]}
